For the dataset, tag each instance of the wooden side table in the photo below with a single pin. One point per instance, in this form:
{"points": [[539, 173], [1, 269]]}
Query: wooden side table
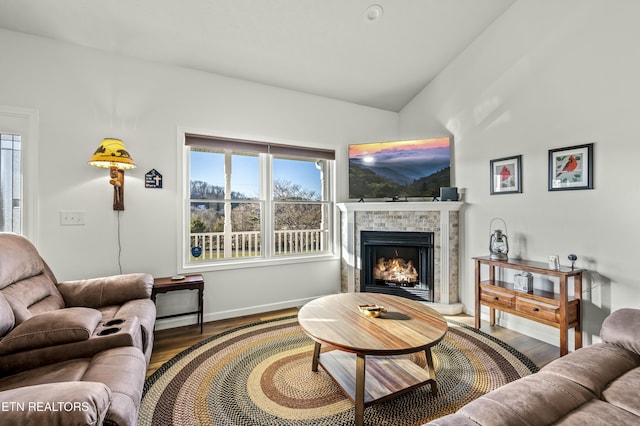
{"points": [[189, 282]]}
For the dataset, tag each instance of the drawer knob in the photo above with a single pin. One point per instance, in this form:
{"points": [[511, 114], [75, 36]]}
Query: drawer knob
{"points": [[496, 298], [536, 309]]}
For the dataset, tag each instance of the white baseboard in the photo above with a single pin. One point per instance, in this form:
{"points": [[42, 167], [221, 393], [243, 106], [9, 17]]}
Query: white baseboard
{"points": [[447, 309], [231, 313]]}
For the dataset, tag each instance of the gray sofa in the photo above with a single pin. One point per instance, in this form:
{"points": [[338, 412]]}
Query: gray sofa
{"points": [[595, 385], [70, 352]]}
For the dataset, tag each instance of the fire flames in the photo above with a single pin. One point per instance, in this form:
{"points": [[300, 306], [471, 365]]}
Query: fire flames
{"points": [[396, 270]]}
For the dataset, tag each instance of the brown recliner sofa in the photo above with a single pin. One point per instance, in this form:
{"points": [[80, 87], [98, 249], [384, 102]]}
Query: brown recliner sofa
{"points": [[71, 352], [595, 385]]}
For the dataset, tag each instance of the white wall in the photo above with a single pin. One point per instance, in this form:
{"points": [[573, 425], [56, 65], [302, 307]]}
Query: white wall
{"points": [[83, 95], [548, 74]]}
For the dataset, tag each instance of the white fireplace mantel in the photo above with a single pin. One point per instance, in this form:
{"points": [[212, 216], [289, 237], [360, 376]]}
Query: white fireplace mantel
{"points": [[350, 252], [401, 206]]}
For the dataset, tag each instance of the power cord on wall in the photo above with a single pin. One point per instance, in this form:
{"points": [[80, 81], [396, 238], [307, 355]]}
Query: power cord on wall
{"points": [[119, 245]]}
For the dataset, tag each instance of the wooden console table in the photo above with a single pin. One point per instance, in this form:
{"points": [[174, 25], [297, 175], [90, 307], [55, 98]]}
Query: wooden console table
{"points": [[559, 310], [189, 282]]}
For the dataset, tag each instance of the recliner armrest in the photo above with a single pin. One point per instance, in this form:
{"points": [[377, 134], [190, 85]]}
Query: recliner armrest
{"points": [[51, 328], [106, 291], [63, 403], [621, 328]]}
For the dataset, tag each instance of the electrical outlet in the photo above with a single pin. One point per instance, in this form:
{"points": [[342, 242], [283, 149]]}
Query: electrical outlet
{"points": [[71, 218]]}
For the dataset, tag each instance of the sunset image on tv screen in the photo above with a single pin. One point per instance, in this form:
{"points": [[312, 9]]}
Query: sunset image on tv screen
{"points": [[412, 168]]}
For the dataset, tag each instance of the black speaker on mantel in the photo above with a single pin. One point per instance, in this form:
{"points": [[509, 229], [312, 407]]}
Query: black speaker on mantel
{"points": [[449, 194]]}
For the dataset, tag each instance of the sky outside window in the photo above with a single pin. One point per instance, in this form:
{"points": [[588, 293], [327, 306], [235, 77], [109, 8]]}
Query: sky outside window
{"points": [[302, 172], [208, 167]]}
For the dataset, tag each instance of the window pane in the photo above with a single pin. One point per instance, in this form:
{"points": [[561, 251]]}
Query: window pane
{"points": [[245, 176], [245, 217], [295, 216], [206, 233], [207, 217], [297, 179], [246, 228], [10, 187], [207, 175], [299, 228]]}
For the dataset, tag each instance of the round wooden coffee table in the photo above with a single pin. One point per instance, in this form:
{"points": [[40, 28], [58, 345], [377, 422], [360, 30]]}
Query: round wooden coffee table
{"points": [[407, 327]]}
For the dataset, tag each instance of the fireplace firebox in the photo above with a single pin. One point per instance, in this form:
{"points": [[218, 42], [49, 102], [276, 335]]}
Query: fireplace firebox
{"points": [[399, 263]]}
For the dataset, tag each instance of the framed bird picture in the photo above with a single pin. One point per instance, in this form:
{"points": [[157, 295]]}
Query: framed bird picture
{"points": [[506, 175], [571, 168]]}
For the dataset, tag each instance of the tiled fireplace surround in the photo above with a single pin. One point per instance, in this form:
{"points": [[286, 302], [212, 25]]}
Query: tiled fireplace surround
{"points": [[441, 218]]}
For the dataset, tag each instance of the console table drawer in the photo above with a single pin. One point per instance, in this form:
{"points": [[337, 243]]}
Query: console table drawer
{"points": [[540, 310], [496, 297]]}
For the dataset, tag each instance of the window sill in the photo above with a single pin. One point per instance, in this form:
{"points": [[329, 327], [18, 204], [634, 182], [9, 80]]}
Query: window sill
{"points": [[257, 263]]}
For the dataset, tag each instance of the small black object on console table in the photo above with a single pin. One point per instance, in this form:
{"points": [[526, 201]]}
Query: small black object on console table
{"points": [[557, 310]]}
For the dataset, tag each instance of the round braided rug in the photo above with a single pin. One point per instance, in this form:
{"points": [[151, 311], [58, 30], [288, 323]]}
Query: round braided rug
{"points": [[261, 375]]}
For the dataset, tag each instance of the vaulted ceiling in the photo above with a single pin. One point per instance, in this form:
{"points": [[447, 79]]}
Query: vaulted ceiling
{"points": [[378, 53]]}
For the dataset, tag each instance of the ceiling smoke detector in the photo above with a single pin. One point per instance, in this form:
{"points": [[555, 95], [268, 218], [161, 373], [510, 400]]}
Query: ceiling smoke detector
{"points": [[374, 13]]}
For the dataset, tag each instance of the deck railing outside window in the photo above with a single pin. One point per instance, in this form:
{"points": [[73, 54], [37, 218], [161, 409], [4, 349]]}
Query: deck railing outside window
{"points": [[249, 243]]}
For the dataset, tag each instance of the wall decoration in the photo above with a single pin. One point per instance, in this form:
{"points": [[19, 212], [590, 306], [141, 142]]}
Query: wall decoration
{"points": [[506, 175], [153, 179], [571, 168]]}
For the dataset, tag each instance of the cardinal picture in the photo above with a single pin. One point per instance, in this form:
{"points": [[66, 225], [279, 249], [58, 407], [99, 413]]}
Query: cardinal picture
{"points": [[506, 175], [571, 168], [568, 166]]}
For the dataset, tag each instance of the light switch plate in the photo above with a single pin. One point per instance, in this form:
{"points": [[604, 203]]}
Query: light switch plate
{"points": [[71, 217]]}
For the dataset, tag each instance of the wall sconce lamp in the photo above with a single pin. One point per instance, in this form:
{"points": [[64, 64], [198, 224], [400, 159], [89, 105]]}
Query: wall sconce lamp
{"points": [[111, 154]]}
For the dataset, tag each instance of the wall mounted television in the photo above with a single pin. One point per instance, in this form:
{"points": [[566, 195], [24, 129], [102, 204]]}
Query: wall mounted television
{"points": [[409, 168]]}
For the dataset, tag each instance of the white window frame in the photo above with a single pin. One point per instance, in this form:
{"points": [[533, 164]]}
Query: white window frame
{"points": [[267, 258], [25, 122]]}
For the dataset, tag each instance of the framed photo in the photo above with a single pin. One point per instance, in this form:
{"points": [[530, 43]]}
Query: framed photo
{"points": [[506, 175], [571, 168]]}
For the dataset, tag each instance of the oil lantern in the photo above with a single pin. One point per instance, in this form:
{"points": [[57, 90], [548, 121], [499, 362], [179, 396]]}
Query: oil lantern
{"points": [[498, 242]]}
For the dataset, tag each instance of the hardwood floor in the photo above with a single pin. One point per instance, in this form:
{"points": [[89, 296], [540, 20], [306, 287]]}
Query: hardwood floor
{"points": [[171, 342], [539, 352]]}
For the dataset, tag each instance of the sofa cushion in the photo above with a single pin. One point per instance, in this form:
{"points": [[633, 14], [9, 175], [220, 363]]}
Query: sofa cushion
{"points": [[594, 367], [51, 329], [66, 371], [620, 328], [106, 291], [36, 294], [596, 412], [20, 311], [538, 399], [122, 370], [7, 320], [69, 403], [623, 392], [20, 259]]}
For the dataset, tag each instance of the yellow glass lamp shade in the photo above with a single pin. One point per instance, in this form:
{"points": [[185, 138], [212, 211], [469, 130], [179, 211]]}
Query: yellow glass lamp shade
{"points": [[112, 153]]}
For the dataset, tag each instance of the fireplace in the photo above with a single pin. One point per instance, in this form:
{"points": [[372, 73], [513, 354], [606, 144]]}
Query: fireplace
{"points": [[440, 218], [399, 263]]}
